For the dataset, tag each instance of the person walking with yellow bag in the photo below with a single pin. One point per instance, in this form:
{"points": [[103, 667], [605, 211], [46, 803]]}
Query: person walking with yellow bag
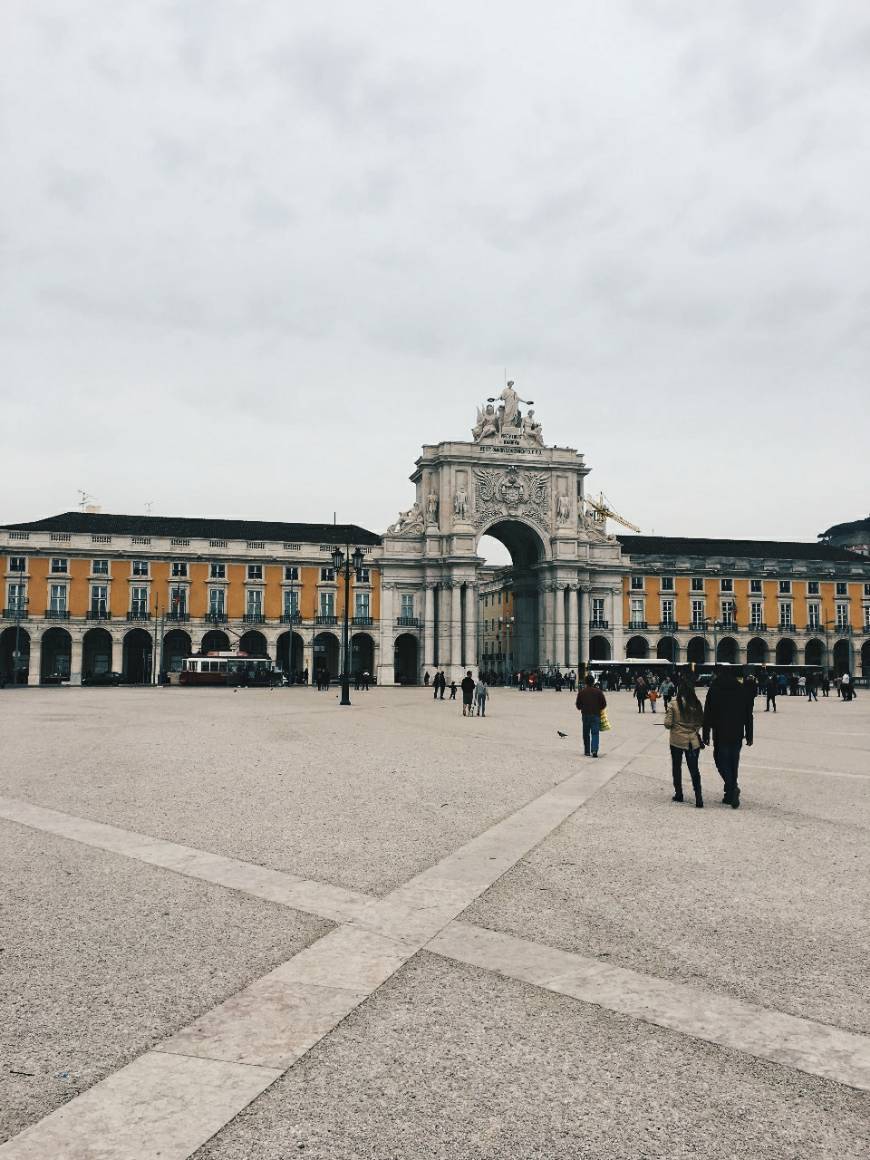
{"points": [[592, 703]]}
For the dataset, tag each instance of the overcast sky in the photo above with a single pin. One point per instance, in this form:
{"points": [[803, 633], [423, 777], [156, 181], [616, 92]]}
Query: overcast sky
{"points": [[254, 254]]}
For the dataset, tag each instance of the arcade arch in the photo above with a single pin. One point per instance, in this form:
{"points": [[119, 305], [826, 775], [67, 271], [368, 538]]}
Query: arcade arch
{"points": [[137, 657], [55, 656], [297, 661], [14, 668], [326, 653], [97, 651]]}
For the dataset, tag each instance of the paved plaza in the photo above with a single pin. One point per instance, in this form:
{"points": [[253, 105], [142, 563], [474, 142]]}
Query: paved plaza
{"points": [[250, 925]]}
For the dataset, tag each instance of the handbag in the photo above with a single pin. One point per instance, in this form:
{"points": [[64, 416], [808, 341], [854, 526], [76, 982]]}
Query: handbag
{"points": [[604, 722]]}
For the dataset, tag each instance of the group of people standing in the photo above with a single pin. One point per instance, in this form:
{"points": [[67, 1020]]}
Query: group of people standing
{"points": [[475, 694]]}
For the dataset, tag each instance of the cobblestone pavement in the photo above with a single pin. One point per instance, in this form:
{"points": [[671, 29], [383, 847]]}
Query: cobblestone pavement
{"points": [[255, 924]]}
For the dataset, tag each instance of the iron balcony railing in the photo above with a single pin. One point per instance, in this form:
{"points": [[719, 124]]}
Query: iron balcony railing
{"points": [[135, 614], [291, 617], [362, 621], [216, 617], [183, 616], [16, 612], [668, 626], [637, 624], [326, 618], [98, 614], [599, 624], [786, 628], [254, 618], [57, 614], [842, 629], [408, 621]]}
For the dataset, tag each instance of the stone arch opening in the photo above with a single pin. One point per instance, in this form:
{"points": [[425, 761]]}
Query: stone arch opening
{"points": [[326, 654], [406, 659], [865, 659], [757, 651], [814, 653], [599, 648], [14, 656], [96, 653], [55, 656], [254, 644], [786, 652], [215, 641], [510, 632], [637, 648], [727, 651], [297, 662], [668, 650], [176, 647], [696, 651], [362, 653], [137, 655], [841, 657]]}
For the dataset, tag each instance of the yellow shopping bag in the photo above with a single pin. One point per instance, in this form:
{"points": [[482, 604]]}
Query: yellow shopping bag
{"points": [[605, 721]]}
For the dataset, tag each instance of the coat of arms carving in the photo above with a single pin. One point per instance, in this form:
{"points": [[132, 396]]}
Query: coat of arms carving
{"points": [[511, 493]]}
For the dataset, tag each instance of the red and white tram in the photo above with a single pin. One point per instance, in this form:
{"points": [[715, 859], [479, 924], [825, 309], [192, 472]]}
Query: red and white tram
{"points": [[226, 668]]}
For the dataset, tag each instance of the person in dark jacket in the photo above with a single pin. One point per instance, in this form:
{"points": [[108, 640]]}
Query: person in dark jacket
{"points": [[467, 686], [728, 716], [591, 702]]}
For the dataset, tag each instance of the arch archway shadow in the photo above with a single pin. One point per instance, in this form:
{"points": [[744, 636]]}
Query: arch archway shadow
{"points": [[599, 648], [814, 653], [841, 657], [696, 651], [528, 552], [786, 652], [14, 669], [327, 654], [215, 641], [727, 651], [757, 652], [668, 650], [254, 644], [297, 663], [96, 653], [55, 656], [362, 653], [637, 648], [407, 659], [176, 648], [137, 657]]}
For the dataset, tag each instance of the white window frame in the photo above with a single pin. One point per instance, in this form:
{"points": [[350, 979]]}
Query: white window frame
{"points": [[59, 566], [255, 572], [598, 616], [140, 569], [814, 614], [16, 601], [253, 602], [843, 619], [361, 604], [291, 601], [99, 604], [217, 602], [756, 613], [14, 561], [726, 584], [406, 605], [327, 603], [668, 611], [756, 587], [58, 597], [139, 605], [699, 613], [785, 618]]}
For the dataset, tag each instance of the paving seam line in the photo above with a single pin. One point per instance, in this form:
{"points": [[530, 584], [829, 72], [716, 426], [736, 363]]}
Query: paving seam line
{"points": [[278, 1018]]}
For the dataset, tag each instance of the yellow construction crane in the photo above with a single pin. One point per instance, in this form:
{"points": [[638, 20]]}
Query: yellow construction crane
{"points": [[601, 511]]}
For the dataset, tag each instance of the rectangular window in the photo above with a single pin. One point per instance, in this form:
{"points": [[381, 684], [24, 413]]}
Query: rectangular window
{"points": [[217, 571], [139, 601], [726, 584], [785, 615], [178, 601], [179, 567], [785, 587], [327, 575], [636, 612], [363, 575], [697, 614], [729, 612], [59, 565], [255, 571], [842, 589], [17, 564], [866, 617], [756, 614], [291, 572], [57, 598], [17, 598], [254, 602], [216, 604], [812, 588], [867, 589], [361, 604], [637, 583], [842, 616], [597, 610], [99, 599], [99, 567], [755, 587], [667, 612], [291, 601], [140, 567], [407, 607], [814, 616], [667, 583], [327, 604], [697, 583]]}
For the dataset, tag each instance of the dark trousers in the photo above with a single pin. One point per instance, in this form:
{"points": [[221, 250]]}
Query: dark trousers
{"points": [[691, 756], [771, 699], [727, 758], [591, 731], [641, 704]]}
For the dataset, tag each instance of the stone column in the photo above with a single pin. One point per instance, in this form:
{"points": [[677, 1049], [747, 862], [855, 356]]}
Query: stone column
{"points": [[386, 666], [616, 625], [429, 627], [308, 654], [585, 616], [573, 657], [75, 661], [559, 625], [456, 627], [34, 669], [471, 626], [543, 625]]}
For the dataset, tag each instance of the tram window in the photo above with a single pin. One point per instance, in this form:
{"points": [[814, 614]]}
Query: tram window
{"points": [[222, 667]]}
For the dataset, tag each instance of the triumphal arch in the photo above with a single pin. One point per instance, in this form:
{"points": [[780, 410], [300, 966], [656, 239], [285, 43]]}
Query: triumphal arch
{"points": [[508, 483]]}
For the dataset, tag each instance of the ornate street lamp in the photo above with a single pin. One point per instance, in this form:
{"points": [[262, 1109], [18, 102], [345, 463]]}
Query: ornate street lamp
{"points": [[345, 560]]}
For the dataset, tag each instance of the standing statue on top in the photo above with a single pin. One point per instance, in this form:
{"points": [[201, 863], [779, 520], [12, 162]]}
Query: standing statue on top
{"points": [[507, 419]]}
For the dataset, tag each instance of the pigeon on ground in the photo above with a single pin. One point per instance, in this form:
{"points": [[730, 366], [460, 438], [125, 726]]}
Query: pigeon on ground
{"points": [[561, 734]]}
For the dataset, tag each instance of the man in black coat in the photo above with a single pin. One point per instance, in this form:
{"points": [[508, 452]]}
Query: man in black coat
{"points": [[728, 715]]}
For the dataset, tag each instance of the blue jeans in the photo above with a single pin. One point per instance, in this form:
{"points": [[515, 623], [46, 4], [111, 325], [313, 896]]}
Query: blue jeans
{"points": [[591, 731], [727, 758]]}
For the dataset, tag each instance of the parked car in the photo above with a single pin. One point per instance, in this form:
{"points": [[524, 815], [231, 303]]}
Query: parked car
{"points": [[103, 679]]}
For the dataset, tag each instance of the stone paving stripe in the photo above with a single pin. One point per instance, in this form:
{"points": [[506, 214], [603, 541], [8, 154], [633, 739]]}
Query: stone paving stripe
{"points": [[816, 1048], [159, 1107], [751, 766], [319, 898]]}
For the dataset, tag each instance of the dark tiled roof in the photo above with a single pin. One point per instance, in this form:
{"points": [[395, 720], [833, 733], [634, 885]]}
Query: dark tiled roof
{"points": [[182, 527], [845, 529], [738, 549]]}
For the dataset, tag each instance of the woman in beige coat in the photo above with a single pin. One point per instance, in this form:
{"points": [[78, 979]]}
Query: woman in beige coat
{"points": [[684, 718]]}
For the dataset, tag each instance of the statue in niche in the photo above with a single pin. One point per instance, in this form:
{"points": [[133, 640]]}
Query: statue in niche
{"points": [[563, 509], [432, 507], [460, 504]]}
